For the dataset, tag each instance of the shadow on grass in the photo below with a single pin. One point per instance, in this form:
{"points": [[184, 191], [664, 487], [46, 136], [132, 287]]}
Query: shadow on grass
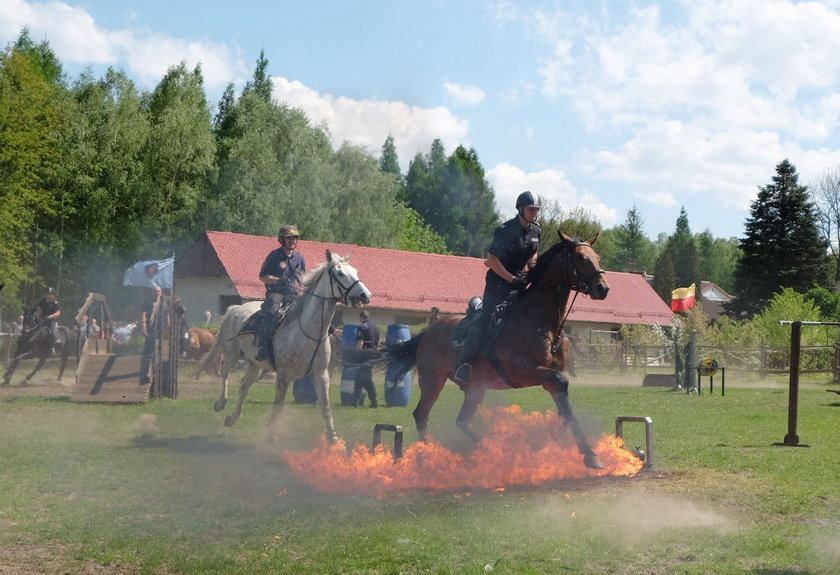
{"points": [[194, 445]]}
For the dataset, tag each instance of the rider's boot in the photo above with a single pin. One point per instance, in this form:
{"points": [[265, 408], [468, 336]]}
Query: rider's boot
{"points": [[463, 368], [264, 348]]}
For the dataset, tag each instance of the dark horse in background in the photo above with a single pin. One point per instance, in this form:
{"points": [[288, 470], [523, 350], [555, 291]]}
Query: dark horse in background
{"points": [[35, 342], [530, 348]]}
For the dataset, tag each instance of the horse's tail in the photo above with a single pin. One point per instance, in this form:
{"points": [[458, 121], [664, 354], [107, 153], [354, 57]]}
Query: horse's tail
{"points": [[402, 356], [208, 357]]}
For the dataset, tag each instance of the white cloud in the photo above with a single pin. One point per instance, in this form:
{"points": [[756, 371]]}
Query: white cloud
{"points": [[460, 94], [76, 38], [367, 123], [703, 105]]}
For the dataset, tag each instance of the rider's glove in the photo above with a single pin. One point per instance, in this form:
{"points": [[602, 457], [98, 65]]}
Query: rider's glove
{"points": [[518, 283]]}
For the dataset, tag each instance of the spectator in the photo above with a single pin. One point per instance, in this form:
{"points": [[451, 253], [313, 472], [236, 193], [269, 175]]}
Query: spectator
{"points": [[366, 338]]}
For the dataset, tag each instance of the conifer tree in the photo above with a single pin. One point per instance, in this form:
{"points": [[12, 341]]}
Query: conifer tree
{"points": [[782, 247]]}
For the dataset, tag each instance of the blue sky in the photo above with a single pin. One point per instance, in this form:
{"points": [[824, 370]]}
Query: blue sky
{"points": [[603, 105]]}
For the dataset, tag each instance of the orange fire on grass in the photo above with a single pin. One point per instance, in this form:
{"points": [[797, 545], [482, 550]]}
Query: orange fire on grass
{"points": [[519, 449]]}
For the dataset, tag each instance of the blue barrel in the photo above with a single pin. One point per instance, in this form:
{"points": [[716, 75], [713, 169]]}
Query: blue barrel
{"points": [[397, 390], [348, 335], [348, 371], [303, 391]]}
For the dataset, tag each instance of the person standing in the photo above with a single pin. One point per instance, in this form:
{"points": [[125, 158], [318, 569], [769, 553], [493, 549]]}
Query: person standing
{"points": [[367, 337], [151, 328], [512, 251], [50, 311], [282, 273]]}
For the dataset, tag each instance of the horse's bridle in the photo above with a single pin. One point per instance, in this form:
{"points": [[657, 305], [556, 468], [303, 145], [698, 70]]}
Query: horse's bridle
{"points": [[583, 286], [343, 291]]}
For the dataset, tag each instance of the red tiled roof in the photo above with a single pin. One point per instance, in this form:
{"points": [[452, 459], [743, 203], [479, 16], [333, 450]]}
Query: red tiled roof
{"points": [[417, 281]]}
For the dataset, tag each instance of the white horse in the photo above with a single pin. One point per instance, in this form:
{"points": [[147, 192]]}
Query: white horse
{"points": [[301, 344]]}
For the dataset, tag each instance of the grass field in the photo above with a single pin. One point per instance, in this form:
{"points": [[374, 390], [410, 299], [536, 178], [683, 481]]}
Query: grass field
{"points": [[165, 488]]}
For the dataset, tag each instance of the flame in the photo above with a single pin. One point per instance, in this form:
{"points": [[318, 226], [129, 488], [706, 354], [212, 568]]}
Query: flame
{"points": [[518, 449]]}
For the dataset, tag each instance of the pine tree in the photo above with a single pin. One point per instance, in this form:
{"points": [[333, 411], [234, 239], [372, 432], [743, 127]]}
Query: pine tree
{"points": [[782, 247], [634, 251]]}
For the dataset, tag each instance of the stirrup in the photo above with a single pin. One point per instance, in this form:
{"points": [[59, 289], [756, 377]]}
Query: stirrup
{"points": [[463, 373]]}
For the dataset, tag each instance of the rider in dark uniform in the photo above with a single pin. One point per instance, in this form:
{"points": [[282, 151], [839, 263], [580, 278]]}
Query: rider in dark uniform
{"points": [[514, 247], [281, 272], [50, 311]]}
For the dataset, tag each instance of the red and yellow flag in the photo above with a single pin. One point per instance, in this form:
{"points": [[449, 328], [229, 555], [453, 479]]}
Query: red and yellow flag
{"points": [[682, 299]]}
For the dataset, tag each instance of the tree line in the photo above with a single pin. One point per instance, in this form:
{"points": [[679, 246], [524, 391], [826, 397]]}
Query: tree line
{"points": [[96, 173]]}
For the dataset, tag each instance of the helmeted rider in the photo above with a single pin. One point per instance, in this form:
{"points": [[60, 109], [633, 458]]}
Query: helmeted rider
{"points": [[281, 272], [50, 311], [512, 251]]}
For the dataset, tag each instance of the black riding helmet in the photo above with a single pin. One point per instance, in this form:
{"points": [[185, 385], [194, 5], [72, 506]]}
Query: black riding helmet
{"points": [[286, 231], [527, 200]]}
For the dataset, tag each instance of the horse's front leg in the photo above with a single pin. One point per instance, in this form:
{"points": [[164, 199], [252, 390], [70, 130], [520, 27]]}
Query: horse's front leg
{"points": [[247, 381], [558, 387], [36, 369], [281, 387], [322, 391], [10, 371], [473, 396]]}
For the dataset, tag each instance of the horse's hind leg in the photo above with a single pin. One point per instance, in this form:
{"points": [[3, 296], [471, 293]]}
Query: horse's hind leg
{"points": [[247, 381], [223, 396], [473, 396], [65, 352], [281, 387], [560, 393], [431, 384]]}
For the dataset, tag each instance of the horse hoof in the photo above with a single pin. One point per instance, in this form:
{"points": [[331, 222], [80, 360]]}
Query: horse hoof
{"points": [[333, 439], [592, 461], [219, 405], [230, 420]]}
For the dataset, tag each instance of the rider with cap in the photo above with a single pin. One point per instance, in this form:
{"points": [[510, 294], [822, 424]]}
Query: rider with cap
{"points": [[513, 250], [281, 272], [50, 311]]}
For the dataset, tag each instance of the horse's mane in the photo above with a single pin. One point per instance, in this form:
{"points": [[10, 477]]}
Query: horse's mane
{"points": [[546, 258], [311, 278]]}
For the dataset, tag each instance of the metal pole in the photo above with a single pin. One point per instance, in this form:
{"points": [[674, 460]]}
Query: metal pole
{"points": [[792, 438]]}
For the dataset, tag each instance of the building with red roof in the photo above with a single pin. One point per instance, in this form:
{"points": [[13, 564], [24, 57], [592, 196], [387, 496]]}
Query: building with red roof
{"points": [[221, 269]]}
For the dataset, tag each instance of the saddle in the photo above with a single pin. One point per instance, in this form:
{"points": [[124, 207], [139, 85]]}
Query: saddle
{"points": [[255, 325], [463, 327]]}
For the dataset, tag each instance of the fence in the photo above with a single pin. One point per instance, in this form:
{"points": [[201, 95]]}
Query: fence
{"points": [[763, 360]]}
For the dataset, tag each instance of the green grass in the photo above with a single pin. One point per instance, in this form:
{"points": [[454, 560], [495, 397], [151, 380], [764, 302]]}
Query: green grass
{"points": [[166, 488]]}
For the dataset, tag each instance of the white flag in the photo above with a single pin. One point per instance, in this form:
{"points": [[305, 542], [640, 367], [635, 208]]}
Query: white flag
{"points": [[151, 273]]}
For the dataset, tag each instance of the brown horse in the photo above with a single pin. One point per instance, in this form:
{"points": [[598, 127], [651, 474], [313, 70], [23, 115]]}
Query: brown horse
{"points": [[531, 348]]}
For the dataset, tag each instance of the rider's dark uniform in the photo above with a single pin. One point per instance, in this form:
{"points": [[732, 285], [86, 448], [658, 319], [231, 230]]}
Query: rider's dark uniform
{"points": [[514, 246], [290, 270], [47, 307], [279, 295]]}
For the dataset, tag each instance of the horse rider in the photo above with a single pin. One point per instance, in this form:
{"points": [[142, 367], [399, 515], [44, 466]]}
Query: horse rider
{"points": [[282, 273], [50, 312], [512, 251]]}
